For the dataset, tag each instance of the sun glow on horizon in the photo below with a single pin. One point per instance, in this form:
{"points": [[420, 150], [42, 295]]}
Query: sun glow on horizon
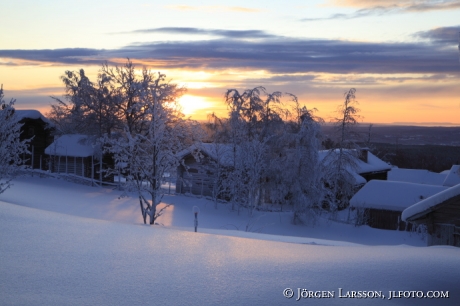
{"points": [[195, 106]]}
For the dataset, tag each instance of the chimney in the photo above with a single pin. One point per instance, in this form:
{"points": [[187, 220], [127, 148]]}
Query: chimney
{"points": [[363, 154]]}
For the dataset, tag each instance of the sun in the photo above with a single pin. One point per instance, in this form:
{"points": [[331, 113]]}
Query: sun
{"points": [[194, 105]]}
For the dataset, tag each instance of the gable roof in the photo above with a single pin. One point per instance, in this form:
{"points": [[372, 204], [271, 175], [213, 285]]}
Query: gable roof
{"points": [[373, 164], [453, 177], [447, 178], [71, 145], [223, 154], [419, 176], [217, 151], [30, 114], [430, 204], [395, 196]]}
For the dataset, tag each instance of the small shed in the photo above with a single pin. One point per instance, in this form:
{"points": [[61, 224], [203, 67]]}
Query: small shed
{"points": [[39, 129], [380, 204], [440, 214], [72, 154]]}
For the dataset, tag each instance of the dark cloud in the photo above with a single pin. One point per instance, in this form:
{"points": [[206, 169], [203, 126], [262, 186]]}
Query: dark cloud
{"points": [[365, 12], [445, 35], [239, 34], [394, 8], [64, 56], [430, 5], [277, 55]]}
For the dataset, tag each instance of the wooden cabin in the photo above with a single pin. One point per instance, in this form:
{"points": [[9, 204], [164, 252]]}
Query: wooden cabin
{"points": [[71, 154], [39, 129], [197, 173], [79, 155], [440, 214], [201, 166], [380, 204]]}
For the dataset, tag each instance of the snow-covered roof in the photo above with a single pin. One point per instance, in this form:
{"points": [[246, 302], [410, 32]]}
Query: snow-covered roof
{"points": [[453, 178], [359, 180], [429, 204], [217, 151], [223, 153], [71, 145], [418, 176], [392, 195], [30, 114], [373, 163]]}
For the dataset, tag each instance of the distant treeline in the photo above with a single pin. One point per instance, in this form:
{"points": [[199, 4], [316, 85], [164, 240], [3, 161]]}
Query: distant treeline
{"points": [[435, 158]]}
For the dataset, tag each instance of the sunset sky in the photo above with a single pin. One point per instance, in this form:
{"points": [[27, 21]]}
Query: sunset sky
{"points": [[402, 56]]}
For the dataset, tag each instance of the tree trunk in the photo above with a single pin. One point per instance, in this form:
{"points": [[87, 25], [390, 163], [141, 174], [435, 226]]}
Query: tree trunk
{"points": [[144, 215], [153, 209]]}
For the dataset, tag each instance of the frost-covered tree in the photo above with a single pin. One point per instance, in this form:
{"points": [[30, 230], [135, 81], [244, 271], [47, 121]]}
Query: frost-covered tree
{"points": [[256, 120], [294, 177], [111, 103], [11, 147], [339, 163], [129, 88], [90, 108], [148, 148], [217, 164], [306, 189]]}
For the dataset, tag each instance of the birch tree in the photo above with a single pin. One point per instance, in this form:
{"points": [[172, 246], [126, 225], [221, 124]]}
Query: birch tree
{"points": [[219, 161], [294, 177], [149, 148], [255, 117], [339, 163]]}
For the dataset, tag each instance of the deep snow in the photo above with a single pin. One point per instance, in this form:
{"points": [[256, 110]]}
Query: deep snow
{"points": [[105, 203], [67, 258]]}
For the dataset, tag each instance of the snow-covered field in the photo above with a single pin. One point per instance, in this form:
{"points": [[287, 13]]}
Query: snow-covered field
{"points": [[68, 244]]}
